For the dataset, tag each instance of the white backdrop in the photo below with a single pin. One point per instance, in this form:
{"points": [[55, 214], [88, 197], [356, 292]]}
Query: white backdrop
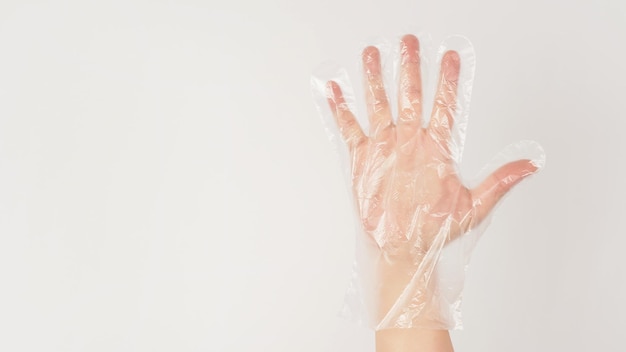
{"points": [[166, 183]]}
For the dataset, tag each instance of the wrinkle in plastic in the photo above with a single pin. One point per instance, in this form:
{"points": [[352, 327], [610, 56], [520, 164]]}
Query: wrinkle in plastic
{"points": [[416, 220]]}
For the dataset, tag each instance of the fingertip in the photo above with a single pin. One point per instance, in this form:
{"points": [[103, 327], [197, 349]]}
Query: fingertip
{"points": [[452, 56], [370, 52], [409, 48], [537, 164], [451, 65], [331, 87], [410, 41], [330, 84], [371, 59], [529, 167]]}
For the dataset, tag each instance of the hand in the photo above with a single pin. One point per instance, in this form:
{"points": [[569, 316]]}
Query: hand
{"points": [[410, 199]]}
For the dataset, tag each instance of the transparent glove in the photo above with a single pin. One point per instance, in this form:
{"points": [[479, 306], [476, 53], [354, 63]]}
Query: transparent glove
{"points": [[417, 220]]}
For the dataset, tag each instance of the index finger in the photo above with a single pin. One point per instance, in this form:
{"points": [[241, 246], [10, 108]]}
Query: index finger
{"points": [[377, 103], [444, 106]]}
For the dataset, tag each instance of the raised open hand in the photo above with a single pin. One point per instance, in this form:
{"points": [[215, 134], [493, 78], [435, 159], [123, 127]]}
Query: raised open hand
{"points": [[404, 176], [409, 196]]}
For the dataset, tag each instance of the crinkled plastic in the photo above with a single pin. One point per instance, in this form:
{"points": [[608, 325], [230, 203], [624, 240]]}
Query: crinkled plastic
{"points": [[417, 220]]}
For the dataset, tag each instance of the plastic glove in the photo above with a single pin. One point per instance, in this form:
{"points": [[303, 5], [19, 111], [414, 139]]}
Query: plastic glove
{"points": [[409, 198]]}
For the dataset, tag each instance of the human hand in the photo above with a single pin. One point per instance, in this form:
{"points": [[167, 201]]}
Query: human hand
{"points": [[409, 196]]}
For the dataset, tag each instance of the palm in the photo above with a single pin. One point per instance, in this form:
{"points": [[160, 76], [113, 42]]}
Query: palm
{"points": [[407, 196]]}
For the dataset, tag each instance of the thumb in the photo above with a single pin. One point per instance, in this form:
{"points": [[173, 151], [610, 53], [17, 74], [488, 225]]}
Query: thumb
{"points": [[495, 186]]}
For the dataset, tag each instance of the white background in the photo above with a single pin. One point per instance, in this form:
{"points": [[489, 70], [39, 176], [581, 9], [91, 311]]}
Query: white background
{"points": [[166, 183]]}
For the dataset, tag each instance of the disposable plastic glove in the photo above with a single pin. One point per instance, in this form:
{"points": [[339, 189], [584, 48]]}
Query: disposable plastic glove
{"points": [[410, 200]]}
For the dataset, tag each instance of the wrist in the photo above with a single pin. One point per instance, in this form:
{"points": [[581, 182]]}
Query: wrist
{"points": [[405, 292], [413, 340]]}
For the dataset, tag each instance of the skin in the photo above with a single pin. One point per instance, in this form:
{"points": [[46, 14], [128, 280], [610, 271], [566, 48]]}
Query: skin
{"points": [[411, 200]]}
